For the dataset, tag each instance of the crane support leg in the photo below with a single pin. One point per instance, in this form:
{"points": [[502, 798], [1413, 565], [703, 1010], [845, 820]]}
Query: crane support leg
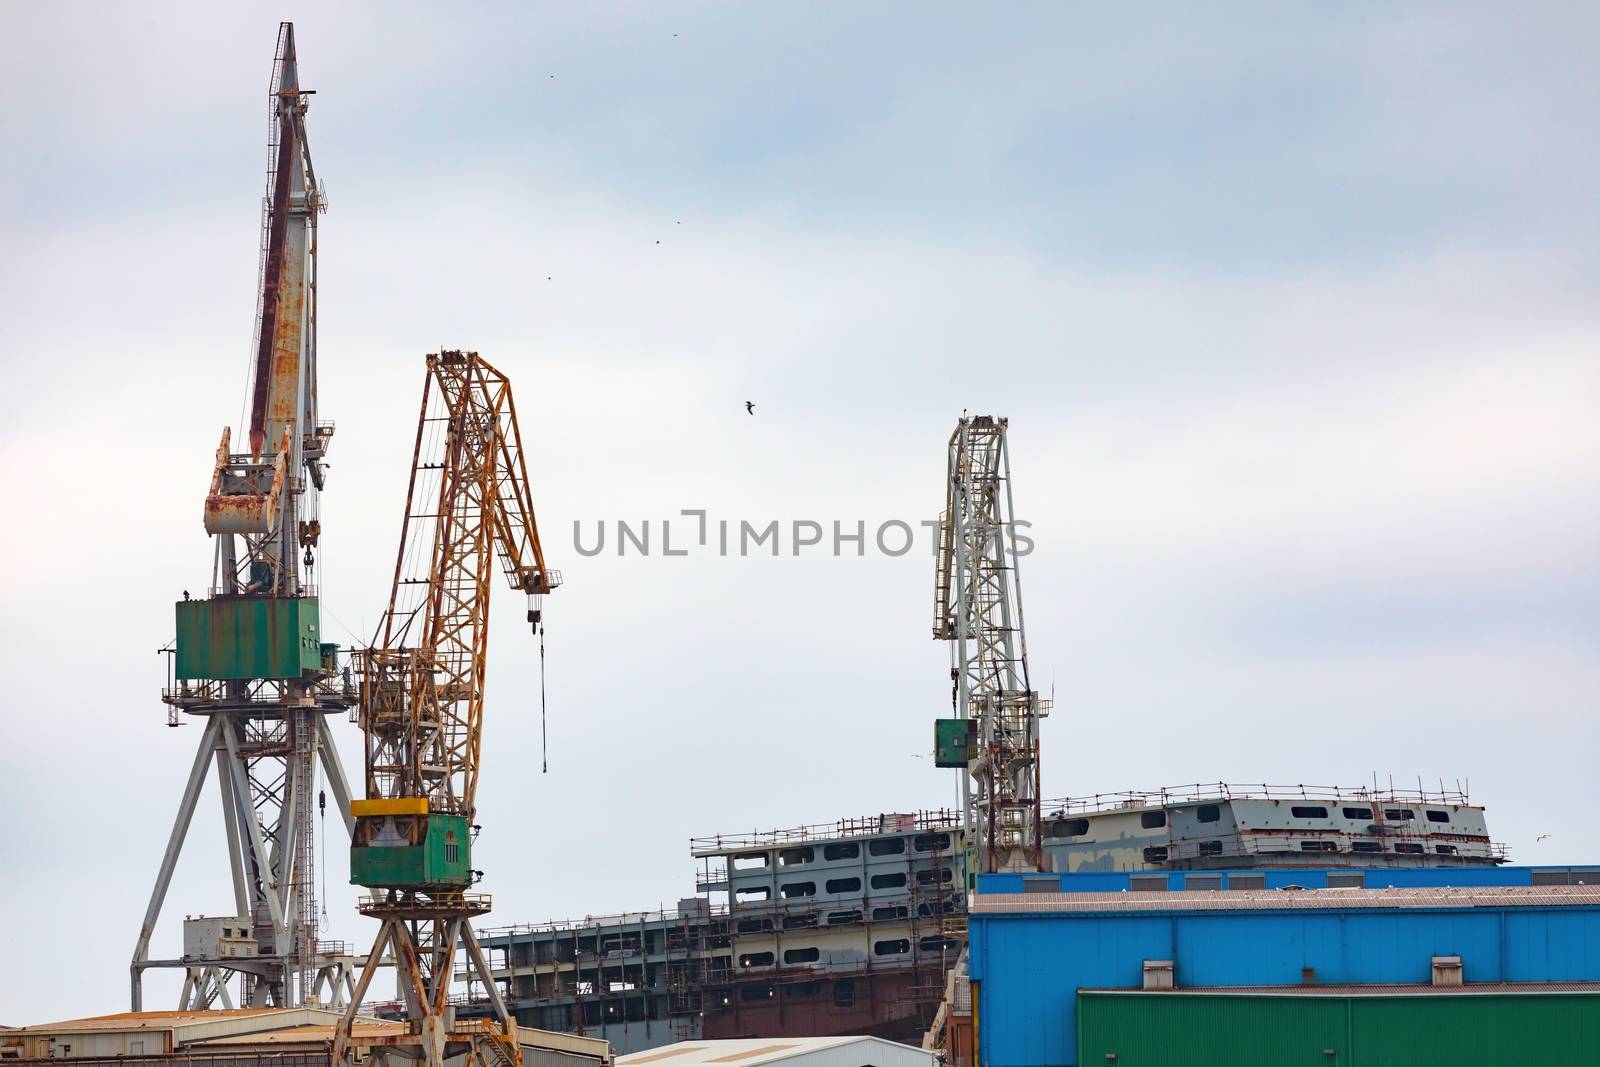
{"points": [[424, 938], [169, 860], [329, 752]]}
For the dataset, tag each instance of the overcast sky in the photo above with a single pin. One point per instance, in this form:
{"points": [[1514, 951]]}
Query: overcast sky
{"points": [[1292, 309]]}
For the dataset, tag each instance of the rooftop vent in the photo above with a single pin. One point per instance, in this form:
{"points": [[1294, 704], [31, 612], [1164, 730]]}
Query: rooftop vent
{"points": [[1447, 970], [1158, 974]]}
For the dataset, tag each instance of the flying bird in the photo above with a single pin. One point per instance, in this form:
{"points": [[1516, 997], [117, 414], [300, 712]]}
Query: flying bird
{"points": [[750, 406], [1541, 837]]}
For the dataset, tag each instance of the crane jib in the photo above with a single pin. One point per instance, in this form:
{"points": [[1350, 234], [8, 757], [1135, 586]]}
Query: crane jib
{"points": [[273, 275]]}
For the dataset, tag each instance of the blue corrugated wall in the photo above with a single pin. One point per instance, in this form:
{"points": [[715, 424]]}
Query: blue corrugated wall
{"points": [[1307, 877], [1031, 966]]}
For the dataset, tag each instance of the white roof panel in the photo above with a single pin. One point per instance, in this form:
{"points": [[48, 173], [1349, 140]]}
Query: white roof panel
{"points": [[751, 1052]]}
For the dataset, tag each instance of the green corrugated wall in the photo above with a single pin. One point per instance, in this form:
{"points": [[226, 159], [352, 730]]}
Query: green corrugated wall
{"points": [[1486, 1028], [1379, 1030], [247, 637]]}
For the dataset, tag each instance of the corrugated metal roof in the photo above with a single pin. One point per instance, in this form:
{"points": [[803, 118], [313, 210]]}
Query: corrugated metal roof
{"points": [[528, 1037], [367, 1027], [150, 1020], [1501, 988], [749, 1052], [1289, 900]]}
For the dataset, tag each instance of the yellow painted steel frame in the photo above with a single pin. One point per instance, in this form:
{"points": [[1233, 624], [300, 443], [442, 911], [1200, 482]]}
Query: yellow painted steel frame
{"points": [[469, 506], [422, 705], [390, 806]]}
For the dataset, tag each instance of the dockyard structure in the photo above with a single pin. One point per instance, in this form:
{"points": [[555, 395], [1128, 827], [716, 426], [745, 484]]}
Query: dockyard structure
{"points": [[244, 1037], [623, 977], [820, 930], [856, 926], [835, 929], [1332, 966], [248, 663]]}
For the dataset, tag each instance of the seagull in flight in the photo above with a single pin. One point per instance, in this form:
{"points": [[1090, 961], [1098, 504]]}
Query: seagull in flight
{"points": [[750, 406], [1541, 837]]}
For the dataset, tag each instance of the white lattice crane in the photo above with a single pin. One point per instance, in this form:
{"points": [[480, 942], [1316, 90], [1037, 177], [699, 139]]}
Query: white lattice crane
{"points": [[994, 733]]}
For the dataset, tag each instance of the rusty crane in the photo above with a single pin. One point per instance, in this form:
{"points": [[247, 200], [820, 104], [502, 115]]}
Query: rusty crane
{"points": [[248, 660], [469, 511]]}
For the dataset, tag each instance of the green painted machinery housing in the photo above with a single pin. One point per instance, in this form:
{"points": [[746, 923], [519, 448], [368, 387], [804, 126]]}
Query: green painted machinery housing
{"points": [[442, 861], [953, 743], [247, 637]]}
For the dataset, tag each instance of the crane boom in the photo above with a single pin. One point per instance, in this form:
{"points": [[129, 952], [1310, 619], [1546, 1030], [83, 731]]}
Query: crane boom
{"points": [[469, 511], [994, 733], [285, 336], [467, 505]]}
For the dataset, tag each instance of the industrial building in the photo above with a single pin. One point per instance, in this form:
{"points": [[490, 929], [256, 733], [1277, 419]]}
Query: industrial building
{"points": [[855, 926], [244, 1037], [1040, 954], [150, 1035], [792, 1052]]}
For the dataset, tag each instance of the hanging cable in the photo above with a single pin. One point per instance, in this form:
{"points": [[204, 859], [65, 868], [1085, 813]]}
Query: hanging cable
{"points": [[322, 811], [544, 736]]}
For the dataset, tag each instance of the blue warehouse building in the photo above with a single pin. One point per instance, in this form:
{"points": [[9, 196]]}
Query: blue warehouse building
{"points": [[1039, 941]]}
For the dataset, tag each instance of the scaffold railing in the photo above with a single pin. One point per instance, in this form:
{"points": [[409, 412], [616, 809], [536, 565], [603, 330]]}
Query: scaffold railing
{"points": [[1202, 791], [864, 826], [595, 922]]}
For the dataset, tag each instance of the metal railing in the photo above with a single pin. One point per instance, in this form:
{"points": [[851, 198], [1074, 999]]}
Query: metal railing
{"points": [[590, 922], [864, 826], [213, 691], [223, 592], [476, 902], [712, 878], [1202, 791]]}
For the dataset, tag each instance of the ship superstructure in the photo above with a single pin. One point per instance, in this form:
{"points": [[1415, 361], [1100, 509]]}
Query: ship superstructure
{"points": [[1190, 827]]}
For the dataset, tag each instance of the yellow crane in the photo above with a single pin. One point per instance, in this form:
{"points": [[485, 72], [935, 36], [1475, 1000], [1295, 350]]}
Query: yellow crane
{"points": [[469, 512]]}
